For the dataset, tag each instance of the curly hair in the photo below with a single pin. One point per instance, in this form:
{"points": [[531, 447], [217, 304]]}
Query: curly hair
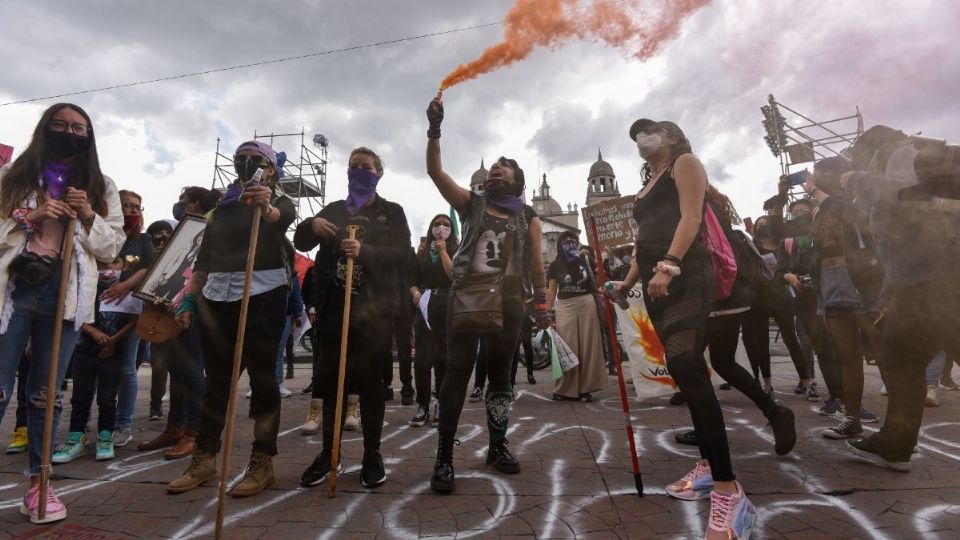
{"points": [[722, 205]]}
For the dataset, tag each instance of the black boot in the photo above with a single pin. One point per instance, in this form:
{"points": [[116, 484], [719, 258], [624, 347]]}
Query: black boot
{"points": [[784, 429], [443, 475], [501, 458]]}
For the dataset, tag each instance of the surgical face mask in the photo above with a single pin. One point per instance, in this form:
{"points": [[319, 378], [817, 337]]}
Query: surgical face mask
{"points": [[647, 144], [108, 277], [179, 211], [441, 232]]}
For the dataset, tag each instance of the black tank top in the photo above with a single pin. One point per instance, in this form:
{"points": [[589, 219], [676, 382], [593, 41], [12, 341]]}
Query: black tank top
{"points": [[657, 215]]}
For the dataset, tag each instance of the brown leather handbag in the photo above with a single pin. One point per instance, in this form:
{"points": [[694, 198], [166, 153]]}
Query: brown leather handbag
{"points": [[478, 301], [156, 324]]}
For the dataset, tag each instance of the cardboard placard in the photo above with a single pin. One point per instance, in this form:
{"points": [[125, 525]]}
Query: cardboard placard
{"points": [[615, 224]]}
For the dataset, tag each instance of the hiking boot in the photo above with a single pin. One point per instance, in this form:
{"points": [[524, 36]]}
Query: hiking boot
{"points": [[256, 478], [372, 473], [477, 395], [406, 395], [184, 446], [689, 437], [420, 418], [105, 446], [501, 458], [54, 511], [203, 467], [352, 421], [871, 450], [784, 428], [169, 437], [695, 485], [72, 448], [848, 427], [732, 515], [443, 477], [18, 440], [830, 407], [932, 400], [318, 471], [314, 418]]}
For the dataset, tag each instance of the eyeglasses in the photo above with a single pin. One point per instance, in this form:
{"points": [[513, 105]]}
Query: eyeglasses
{"points": [[82, 130], [131, 206]]}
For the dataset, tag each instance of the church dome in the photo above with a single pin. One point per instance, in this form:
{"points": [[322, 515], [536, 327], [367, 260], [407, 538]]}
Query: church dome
{"points": [[601, 167], [479, 176]]}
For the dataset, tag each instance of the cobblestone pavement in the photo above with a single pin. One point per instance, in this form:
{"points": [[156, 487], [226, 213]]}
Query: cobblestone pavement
{"points": [[576, 479]]}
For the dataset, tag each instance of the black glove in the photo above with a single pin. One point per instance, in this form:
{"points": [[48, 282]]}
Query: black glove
{"points": [[435, 117]]}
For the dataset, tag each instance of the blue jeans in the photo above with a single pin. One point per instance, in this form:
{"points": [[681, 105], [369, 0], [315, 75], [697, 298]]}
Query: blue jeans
{"points": [[935, 368], [34, 309], [126, 356], [282, 349], [184, 359], [92, 374]]}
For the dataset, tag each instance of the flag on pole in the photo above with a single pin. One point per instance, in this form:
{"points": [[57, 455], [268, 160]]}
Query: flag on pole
{"points": [[455, 221]]}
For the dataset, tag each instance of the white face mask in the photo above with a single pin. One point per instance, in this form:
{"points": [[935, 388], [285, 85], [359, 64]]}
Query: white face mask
{"points": [[441, 232], [648, 144]]}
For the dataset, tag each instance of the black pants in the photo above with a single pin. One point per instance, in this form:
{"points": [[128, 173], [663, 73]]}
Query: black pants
{"points": [[849, 329], [159, 369], [431, 354], [480, 370], [805, 306], [680, 320], [526, 341], [723, 335], [756, 336], [366, 343], [183, 357], [402, 337], [462, 354], [93, 375], [218, 325]]}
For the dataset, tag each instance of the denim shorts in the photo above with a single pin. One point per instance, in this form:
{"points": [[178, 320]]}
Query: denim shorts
{"points": [[837, 289]]}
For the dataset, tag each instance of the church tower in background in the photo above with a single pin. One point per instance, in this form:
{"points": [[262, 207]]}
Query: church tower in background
{"points": [[601, 183]]}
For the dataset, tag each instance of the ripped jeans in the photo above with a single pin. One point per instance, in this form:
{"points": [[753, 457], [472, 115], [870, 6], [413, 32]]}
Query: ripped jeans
{"points": [[34, 308]]}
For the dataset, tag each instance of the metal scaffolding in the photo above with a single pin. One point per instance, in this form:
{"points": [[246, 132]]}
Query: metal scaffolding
{"points": [[304, 178]]}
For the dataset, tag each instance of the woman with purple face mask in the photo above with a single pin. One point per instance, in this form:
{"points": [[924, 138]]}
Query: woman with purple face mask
{"points": [[430, 290], [570, 287]]}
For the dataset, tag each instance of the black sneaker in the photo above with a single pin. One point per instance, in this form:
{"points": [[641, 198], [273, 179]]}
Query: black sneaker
{"points": [[156, 413], [477, 394], [372, 473], [443, 477], [784, 428], [502, 459], [421, 418], [688, 437], [725, 386], [388, 393], [406, 395], [871, 451], [677, 399], [799, 389], [812, 394], [530, 378], [318, 470], [830, 407], [307, 391], [849, 427]]}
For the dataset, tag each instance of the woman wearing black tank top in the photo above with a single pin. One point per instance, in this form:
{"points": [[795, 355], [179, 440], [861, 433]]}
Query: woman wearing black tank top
{"points": [[673, 264]]}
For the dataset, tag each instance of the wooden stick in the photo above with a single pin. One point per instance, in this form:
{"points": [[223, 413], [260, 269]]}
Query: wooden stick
{"points": [[235, 375], [625, 405], [342, 373], [53, 368]]}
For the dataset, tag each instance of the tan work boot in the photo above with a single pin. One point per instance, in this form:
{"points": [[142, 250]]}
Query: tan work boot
{"points": [[352, 421], [169, 437], [258, 476], [314, 418], [184, 446], [203, 467]]}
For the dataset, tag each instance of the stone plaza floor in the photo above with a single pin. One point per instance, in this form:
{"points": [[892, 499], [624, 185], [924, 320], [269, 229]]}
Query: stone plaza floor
{"points": [[576, 480]]}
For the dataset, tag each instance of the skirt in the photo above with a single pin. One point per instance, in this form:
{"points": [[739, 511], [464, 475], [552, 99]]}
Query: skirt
{"points": [[579, 325]]}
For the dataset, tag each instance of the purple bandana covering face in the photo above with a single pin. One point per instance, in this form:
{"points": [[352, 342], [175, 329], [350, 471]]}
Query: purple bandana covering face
{"points": [[362, 185], [507, 203], [571, 250], [56, 176]]}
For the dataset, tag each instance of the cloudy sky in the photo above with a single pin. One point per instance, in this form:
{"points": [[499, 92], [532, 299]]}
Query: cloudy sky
{"points": [[896, 60]]}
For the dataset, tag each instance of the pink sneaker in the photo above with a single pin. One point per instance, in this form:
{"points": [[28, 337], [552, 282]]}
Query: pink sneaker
{"points": [[732, 516], [31, 505], [696, 484]]}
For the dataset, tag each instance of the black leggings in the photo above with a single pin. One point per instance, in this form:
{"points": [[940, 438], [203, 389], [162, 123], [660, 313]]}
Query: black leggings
{"points": [[431, 354], [723, 334], [805, 305], [756, 336], [848, 330], [462, 354], [680, 320], [526, 341]]}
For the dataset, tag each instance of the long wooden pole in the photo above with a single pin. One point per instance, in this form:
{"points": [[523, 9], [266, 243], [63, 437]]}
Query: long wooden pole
{"points": [[54, 365], [235, 374], [625, 405], [342, 372]]}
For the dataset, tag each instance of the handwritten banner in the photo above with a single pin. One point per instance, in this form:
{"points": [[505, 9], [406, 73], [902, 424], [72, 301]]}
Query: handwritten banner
{"points": [[615, 224]]}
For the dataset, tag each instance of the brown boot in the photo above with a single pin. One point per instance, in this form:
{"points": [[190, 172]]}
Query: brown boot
{"points": [[258, 476], [170, 436], [202, 467], [184, 446]]}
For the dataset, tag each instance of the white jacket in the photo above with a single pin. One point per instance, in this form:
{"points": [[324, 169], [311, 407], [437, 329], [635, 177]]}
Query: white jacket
{"points": [[102, 242]]}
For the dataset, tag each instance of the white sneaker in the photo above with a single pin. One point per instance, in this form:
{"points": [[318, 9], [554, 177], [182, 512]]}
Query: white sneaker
{"points": [[932, 399], [166, 397], [352, 422], [285, 392], [249, 393], [314, 418]]}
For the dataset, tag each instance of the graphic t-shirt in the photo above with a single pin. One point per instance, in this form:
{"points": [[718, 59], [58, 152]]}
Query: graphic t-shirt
{"points": [[489, 252], [573, 279]]}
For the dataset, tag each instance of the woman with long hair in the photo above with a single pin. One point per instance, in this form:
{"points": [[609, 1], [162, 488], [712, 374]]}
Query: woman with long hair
{"points": [[56, 178], [501, 237], [382, 244], [433, 272], [216, 292], [671, 260], [571, 287]]}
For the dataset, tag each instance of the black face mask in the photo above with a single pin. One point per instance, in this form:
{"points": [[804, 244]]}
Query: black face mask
{"points": [[497, 188], [64, 144], [179, 211]]}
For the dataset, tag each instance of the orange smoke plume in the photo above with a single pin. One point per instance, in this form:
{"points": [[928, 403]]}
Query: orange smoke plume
{"points": [[550, 23]]}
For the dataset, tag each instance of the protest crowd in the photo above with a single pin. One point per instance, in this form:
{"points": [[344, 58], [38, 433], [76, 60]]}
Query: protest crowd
{"points": [[857, 261]]}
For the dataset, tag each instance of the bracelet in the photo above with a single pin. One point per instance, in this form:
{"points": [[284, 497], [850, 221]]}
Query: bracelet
{"points": [[668, 268], [20, 217], [672, 258], [540, 299]]}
